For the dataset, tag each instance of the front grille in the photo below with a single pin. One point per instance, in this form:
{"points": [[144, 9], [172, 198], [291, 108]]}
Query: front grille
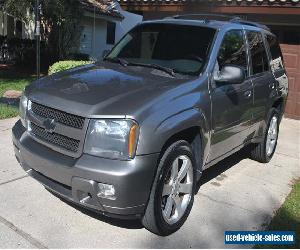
{"points": [[59, 116], [54, 138]]}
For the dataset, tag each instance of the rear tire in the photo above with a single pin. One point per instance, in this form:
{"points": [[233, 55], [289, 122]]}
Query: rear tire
{"points": [[264, 151], [172, 193]]}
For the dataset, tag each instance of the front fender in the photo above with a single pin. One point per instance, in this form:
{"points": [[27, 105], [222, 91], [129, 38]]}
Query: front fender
{"points": [[153, 140]]}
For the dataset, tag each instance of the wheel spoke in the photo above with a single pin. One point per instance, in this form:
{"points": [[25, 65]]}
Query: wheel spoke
{"points": [[178, 208], [174, 171], [184, 168], [167, 190], [274, 124], [185, 188], [268, 146], [168, 208]]}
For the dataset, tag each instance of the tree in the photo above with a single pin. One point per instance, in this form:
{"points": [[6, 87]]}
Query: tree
{"points": [[60, 23], [17, 8]]}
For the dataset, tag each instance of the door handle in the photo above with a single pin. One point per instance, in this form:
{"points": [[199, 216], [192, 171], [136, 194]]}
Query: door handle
{"points": [[248, 93], [272, 85]]}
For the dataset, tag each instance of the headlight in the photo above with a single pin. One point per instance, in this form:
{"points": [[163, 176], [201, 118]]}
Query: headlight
{"points": [[116, 139], [23, 108]]}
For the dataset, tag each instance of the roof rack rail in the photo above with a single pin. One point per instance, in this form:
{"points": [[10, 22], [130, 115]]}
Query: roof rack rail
{"points": [[241, 21], [218, 17], [204, 17]]}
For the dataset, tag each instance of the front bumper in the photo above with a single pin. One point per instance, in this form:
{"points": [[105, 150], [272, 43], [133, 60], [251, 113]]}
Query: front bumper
{"points": [[76, 179]]}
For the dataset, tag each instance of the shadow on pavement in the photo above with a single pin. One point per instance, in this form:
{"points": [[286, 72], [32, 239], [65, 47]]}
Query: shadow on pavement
{"points": [[123, 223], [222, 166]]}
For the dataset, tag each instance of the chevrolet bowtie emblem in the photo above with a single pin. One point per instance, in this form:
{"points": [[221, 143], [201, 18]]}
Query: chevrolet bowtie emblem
{"points": [[49, 125]]}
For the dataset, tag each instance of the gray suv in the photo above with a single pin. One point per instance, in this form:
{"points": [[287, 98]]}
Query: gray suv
{"points": [[129, 136]]}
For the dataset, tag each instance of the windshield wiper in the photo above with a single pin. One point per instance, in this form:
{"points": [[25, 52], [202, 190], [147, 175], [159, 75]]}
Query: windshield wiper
{"points": [[125, 63], [119, 60], [155, 66], [165, 69]]}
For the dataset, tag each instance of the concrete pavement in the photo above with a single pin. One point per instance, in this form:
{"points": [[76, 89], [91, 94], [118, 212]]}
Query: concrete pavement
{"points": [[236, 194]]}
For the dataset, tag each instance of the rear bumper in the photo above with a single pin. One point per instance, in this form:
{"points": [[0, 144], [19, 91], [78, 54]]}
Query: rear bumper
{"points": [[77, 179]]}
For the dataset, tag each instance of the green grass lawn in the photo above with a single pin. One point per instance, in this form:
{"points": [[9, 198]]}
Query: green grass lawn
{"points": [[287, 218], [11, 80], [7, 111]]}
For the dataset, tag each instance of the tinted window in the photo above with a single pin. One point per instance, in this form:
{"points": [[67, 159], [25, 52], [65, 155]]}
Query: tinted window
{"points": [[258, 53], [232, 50], [185, 49], [274, 47], [277, 58]]}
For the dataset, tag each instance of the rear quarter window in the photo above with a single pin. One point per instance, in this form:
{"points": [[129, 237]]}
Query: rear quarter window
{"points": [[276, 55]]}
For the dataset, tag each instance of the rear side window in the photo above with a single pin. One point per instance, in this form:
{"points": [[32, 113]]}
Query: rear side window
{"points": [[258, 52], [232, 50], [277, 58]]}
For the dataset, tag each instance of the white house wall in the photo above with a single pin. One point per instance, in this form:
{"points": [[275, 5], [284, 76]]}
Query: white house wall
{"points": [[93, 40], [130, 20]]}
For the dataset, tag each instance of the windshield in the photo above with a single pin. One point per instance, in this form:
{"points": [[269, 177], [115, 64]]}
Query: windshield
{"points": [[184, 49]]}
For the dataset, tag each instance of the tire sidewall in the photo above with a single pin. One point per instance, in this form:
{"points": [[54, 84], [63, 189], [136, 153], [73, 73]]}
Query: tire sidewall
{"points": [[164, 227]]}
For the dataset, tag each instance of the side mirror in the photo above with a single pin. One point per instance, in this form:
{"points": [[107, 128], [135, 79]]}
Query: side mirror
{"points": [[230, 74]]}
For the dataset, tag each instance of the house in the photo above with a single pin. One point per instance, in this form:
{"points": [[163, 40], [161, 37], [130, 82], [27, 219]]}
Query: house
{"points": [[102, 24], [282, 16], [11, 27]]}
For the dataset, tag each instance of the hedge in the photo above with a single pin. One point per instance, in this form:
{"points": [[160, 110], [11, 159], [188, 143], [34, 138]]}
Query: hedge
{"points": [[64, 65]]}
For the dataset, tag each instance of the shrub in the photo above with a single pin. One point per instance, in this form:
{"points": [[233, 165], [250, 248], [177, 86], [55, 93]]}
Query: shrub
{"points": [[64, 65]]}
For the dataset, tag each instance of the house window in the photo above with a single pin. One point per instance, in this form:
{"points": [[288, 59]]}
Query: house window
{"points": [[111, 33]]}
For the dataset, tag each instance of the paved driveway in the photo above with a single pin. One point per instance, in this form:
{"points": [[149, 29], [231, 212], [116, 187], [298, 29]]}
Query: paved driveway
{"points": [[236, 194]]}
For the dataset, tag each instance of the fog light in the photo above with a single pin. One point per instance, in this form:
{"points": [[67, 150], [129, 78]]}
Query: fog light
{"points": [[106, 191]]}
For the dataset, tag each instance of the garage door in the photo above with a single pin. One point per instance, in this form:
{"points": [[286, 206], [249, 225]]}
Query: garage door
{"points": [[291, 54]]}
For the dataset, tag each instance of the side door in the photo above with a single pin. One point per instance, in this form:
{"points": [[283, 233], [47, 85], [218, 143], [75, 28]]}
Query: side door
{"points": [[263, 80], [231, 103]]}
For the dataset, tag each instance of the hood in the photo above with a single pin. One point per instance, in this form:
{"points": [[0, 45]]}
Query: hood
{"points": [[102, 89]]}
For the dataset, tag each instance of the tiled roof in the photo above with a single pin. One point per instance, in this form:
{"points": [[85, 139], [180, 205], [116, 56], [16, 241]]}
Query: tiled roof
{"points": [[101, 7], [259, 2]]}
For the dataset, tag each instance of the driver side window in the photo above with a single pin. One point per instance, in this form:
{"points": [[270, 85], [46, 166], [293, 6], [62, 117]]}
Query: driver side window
{"points": [[232, 51]]}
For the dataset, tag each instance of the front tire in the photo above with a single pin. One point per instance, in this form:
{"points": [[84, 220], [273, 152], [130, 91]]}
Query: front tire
{"points": [[172, 194], [264, 151]]}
